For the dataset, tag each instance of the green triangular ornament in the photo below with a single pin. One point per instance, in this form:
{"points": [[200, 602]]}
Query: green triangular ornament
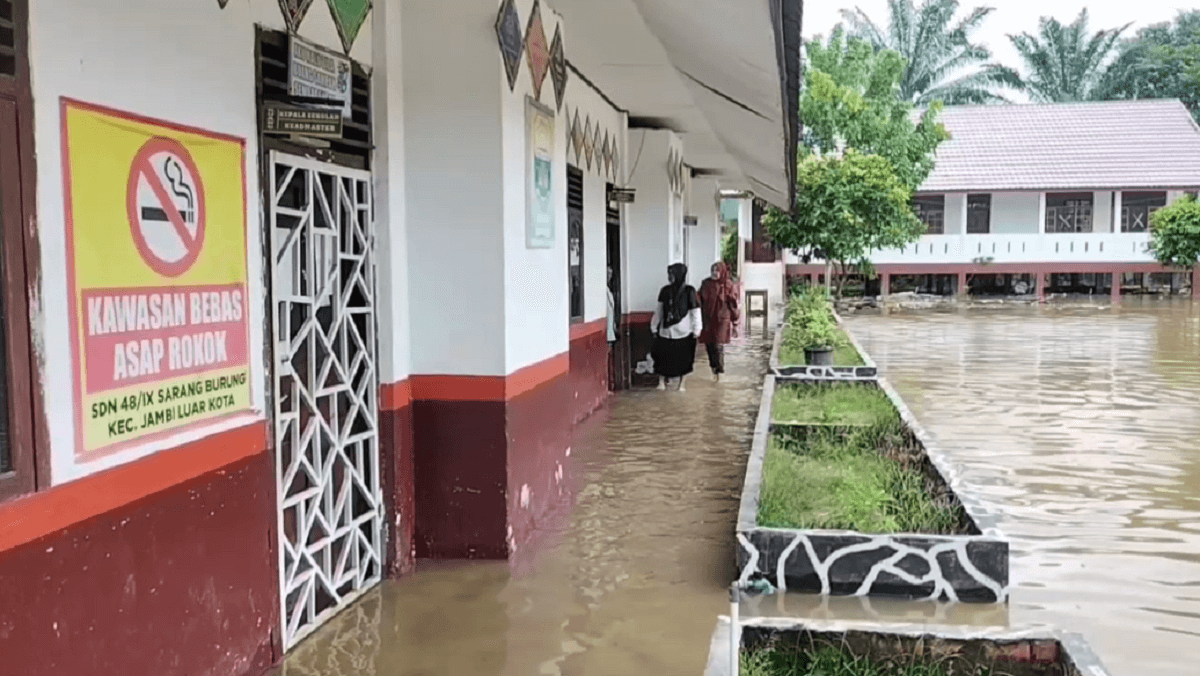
{"points": [[349, 16]]}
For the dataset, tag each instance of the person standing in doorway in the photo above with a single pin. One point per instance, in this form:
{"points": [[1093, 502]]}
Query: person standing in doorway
{"points": [[719, 312], [676, 325]]}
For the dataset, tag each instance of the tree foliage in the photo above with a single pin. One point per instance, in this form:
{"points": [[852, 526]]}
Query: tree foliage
{"points": [[850, 101], [943, 64], [847, 207], [1162, 61], [1066, 62], [1175, 233], [863, 156]]}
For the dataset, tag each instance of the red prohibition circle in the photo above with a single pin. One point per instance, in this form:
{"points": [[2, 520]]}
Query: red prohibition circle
{"points": [[141, 166]]}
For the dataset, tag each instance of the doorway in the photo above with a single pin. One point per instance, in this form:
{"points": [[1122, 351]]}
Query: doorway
{"points": [[326, 388], [619, 358]]}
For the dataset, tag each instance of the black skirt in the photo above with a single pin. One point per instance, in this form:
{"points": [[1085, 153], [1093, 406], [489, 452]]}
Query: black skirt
{"points": [[674, 358]]}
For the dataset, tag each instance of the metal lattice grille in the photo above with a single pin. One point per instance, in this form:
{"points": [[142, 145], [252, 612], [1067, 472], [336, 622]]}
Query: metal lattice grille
{"points": [[326, 389]]}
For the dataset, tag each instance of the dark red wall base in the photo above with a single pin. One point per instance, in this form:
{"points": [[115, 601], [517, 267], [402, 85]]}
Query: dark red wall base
{"points": [[399, 484], [180, 583], [640, 342], [539, 436], [589, 374]]}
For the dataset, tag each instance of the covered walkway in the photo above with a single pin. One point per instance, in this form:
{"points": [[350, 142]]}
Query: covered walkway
{"points": [[628, 577]]}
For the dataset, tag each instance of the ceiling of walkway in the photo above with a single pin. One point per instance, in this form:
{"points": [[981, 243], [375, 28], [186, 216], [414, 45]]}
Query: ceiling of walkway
{"points": [[709, 69]]}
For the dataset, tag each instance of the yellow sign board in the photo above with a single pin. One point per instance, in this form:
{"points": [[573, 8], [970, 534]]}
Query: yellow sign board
{"points": [[156, 239]]}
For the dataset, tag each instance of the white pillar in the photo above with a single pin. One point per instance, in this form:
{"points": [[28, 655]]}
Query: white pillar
{"points": [[956, 206], [649, 220], [1041, 213], [1102, 204], [705, 237], [1118, 207]]}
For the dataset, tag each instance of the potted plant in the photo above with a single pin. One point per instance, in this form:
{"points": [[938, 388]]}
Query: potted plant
{"points": [[819, 336]]}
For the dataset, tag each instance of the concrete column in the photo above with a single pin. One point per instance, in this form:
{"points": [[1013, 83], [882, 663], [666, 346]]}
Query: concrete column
{"points": [[1041, 285], [885, 285], [963, 291], [1196, 284], [1102, 211], [1041, 224], [1118, 198], [1116, 286], [956, 213], [650, 221], [705, 237]]}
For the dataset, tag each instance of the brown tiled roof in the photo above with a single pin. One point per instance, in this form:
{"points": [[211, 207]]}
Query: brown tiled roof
{"points": [[1117, 144]]}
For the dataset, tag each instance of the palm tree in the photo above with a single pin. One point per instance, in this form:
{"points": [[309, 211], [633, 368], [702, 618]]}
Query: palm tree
{"points": [[1066, 63], [943, 63]]}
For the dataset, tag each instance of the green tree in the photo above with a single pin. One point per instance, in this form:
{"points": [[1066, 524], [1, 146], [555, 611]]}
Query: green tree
{"points": [[943, 63], [849, 101], [1175, 233], [1066, 62], [1162, 61], [847, 207]]}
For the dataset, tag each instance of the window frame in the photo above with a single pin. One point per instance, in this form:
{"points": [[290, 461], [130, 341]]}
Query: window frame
{"points": [[1139, 200], [923, 210], [986, 210], [1074, 209], [20, 255], [576, 271]]}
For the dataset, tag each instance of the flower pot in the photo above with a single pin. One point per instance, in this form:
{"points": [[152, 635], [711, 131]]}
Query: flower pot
{"points": [[819, 356]]}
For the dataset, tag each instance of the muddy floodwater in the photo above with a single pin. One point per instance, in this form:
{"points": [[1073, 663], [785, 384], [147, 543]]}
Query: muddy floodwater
{"points": [[628, 579], [1080, 427]]}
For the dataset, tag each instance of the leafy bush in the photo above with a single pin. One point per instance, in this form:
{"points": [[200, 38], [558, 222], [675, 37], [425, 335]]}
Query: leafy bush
{"points": [[729, 248], [1175, 233]]}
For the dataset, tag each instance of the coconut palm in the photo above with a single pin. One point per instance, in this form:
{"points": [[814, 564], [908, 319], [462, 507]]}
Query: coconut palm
{"points": [[1066, 63], [943, 63]]}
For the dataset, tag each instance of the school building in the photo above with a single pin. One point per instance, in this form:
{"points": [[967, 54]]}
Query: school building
{"points": [[297, 292]]}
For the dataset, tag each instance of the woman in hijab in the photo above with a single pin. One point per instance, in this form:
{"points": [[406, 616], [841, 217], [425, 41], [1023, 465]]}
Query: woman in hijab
{"points": [[676, 325], [719, 310]]}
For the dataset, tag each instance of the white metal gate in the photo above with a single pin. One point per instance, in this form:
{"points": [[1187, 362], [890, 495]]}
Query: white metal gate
{"points": [[330, 504]]}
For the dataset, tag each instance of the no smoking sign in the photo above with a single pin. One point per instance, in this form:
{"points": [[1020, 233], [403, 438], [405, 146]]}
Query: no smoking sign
{"points": [[166, 207]]}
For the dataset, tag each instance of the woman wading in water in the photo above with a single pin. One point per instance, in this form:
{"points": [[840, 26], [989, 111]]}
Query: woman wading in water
{"points": [[719, 308], [676, 325]]}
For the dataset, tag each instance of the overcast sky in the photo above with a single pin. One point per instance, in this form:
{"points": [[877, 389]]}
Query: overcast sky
{"points": [[1010, 17]]}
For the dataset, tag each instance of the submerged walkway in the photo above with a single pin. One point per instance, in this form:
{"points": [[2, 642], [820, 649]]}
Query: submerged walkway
{"points": [[631, 582]]}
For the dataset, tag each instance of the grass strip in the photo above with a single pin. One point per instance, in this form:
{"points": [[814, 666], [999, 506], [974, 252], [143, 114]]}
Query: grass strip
{"points": [[861, 479], [831, 404], [778, 660], [844, 353]]}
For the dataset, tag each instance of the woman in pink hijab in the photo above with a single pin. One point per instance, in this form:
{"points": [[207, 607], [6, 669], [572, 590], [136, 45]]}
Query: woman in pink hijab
{"points": [[719, 312]]}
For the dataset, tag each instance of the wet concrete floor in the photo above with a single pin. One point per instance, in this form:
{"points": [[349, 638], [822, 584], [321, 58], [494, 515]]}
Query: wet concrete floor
{"points": [[630, 581], [1080, 426]]}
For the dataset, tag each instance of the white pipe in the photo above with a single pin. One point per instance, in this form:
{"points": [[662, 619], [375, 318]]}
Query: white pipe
{"points": [[734, 648]]}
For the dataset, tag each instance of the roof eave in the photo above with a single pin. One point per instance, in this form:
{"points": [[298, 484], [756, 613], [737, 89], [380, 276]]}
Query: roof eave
{"points": [[787, 18]]}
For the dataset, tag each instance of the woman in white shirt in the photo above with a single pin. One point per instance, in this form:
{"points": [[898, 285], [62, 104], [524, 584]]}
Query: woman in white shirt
{"points": [[676, 325]]}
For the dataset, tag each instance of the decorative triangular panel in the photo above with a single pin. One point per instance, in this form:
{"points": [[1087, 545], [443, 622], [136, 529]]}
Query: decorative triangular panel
{"points": [[349, 16], [616, 164], [558, 66], [587, 142], [607, 155], [577, 135], [222, 3], [508, 33], [597, 144], [536, 50], [294, 12]]}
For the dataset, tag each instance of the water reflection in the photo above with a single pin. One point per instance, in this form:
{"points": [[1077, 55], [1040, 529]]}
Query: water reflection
{"points": [[629, 580], [1079, 425]]}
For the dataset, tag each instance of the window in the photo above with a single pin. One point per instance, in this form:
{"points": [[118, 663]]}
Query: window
{"points": [[17, 395], [979, 214], [1069, 212], [575, 240], [931, 209], [1136, 208]]}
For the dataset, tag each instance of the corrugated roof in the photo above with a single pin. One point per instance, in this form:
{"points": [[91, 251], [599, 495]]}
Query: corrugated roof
{"points": [[1116, 144]]}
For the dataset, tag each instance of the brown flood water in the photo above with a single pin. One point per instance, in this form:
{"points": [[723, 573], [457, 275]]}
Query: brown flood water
{"points": [[629, 581], [1080, 427]]}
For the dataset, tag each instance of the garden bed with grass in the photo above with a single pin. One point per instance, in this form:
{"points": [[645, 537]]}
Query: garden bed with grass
{"points": [[844, 495], [810, 319], [792, 648]]}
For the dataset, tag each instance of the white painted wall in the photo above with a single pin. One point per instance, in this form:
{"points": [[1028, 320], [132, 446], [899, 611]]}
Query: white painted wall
{"points": [[1015, 213], [1102, 211], [392, 244], [535, 284], [454, 190], [582, 99], [125, 54], [705, 238], [956, 213], [648, 219]]}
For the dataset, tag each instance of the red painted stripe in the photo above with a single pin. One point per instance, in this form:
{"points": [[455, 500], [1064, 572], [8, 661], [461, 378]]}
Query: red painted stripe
{"points": [[395, 396], [486, 388], [44, 513], [586, 329]]}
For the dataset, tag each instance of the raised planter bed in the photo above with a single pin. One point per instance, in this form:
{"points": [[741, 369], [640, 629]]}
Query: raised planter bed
{"points": [[849, 649], [867, 371], [969, 564]]}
